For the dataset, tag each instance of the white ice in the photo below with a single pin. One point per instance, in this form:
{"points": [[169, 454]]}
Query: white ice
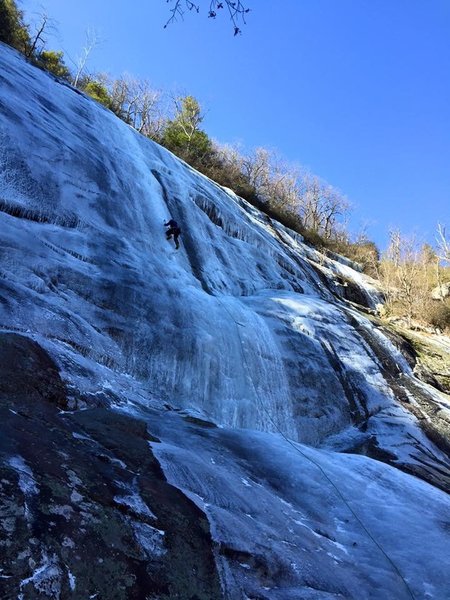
{"points": [[245, 326]]}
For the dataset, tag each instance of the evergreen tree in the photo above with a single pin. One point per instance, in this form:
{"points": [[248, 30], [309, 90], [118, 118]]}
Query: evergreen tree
{"points": [[99, 92], [183, 135], [13, 31], [53, 62]]}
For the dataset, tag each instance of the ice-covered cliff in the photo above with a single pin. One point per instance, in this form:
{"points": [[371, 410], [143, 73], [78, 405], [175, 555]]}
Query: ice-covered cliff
{"points": [[217, 421]]}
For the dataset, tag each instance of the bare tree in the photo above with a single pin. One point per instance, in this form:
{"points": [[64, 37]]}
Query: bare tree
{"points": [[236, 10], [284, 187], [310, 203], [443, 255], [137, 103], [443, 243], [256, 169], [273, 179], [291, 190], [335, 206], [321, 205], [230, 155], [226, 168], [92, 41], [37, 38], [404, 272], [153, 116]]}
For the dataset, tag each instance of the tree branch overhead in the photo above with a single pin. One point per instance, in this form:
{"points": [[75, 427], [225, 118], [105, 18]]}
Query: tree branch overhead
{"points": [[236, 10]]}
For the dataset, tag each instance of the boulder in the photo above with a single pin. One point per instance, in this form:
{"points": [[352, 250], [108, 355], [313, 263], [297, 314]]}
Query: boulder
{"points": [[441, 291]]}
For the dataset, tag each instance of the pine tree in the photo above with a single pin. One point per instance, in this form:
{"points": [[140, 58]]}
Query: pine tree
{"points": [[183, 135], [99, 92], [13, 31], [54, 62]]}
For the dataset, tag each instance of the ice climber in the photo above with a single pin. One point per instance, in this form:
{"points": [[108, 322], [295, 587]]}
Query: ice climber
{"points": [[174, 231]]}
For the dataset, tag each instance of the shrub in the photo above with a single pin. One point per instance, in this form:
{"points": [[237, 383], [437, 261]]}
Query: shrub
{"points": [[53, 61], [439, 315]]}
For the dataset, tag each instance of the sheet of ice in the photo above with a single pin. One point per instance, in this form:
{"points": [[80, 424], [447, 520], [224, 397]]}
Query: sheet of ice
{"points": [[244, 325], [338, 523]]}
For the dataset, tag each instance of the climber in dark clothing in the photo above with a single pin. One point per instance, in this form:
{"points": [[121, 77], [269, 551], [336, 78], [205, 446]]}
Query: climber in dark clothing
{"points": [[174, 231]]}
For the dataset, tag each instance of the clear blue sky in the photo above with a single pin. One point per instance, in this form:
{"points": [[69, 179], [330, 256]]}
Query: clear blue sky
{"points": [[357, 90]]}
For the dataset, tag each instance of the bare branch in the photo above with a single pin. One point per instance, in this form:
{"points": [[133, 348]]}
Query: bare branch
{"points": [[236, 10], [404, 272], [443, 243], [38, 35], [92, 41], [138, 104], [178, 9]]}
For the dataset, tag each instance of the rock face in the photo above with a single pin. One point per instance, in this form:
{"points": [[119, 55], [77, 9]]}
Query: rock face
{"points": [[75, 491], [441, 291], [221, 421]]}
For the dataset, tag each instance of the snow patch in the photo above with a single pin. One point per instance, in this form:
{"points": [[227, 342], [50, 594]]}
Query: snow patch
{"points": [[46, 579], [27, 483], [150, 539]]}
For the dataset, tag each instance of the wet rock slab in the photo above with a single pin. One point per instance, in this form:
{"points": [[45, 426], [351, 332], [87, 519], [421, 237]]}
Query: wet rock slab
{"points": [[85, 509]]}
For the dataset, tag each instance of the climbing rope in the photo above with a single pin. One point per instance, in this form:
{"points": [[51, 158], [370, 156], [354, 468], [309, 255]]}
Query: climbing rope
{"points": [[262, 408]]}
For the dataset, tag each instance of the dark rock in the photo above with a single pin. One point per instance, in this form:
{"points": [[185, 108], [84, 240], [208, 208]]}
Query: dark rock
{"points": [[26, 370], [86, 509], [403, 345]]}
